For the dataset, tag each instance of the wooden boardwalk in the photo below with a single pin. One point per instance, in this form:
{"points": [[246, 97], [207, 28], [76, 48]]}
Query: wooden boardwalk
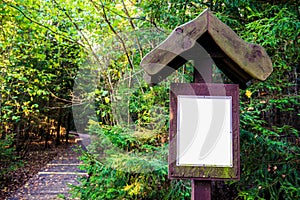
{"points": [[56, 177]]}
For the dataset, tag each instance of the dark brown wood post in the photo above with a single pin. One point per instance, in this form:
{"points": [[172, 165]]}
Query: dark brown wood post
{"points": [[201, 189], [203, 70]]}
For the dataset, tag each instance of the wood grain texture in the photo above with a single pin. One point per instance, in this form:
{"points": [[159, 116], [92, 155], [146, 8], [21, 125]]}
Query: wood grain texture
{"points": [[239, 60], [180, 40], [250, 57]]}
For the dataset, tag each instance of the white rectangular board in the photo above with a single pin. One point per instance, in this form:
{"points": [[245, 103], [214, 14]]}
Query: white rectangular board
{"points": [[204, 131]]}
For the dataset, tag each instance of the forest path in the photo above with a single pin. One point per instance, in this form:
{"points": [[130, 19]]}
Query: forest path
{"points": [[55, 178]]}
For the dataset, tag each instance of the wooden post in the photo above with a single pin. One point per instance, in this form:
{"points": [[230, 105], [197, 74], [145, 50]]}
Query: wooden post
{"points": [[203, 70], [201, 189]]}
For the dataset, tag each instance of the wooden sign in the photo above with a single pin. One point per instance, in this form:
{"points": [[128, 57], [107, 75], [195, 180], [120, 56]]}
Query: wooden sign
{"points": [[204, 131], [204, 117]]}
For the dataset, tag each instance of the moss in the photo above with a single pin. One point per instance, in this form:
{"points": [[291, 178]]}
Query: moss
{"points": [[205, 172], [226, 172]]}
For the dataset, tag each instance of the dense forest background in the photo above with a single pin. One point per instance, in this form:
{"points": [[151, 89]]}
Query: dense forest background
{"points": [[74, 65]]}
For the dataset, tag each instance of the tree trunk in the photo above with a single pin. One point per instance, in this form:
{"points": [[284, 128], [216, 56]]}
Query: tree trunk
{"points": [[68, 126], [17, 140], [47, 132], [58, 128]]}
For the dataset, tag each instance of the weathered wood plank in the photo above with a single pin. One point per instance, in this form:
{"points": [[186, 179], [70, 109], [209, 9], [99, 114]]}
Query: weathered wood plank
{"points": [[64, 164], [245, 58], [180, 40], [63, 173], [252, 58]]}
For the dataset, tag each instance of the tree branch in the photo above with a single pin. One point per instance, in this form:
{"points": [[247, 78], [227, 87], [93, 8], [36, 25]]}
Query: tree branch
{"points": [[113, 30], [133, 27], [42, 25], [136, 18], [81, 33], [86, 40]]}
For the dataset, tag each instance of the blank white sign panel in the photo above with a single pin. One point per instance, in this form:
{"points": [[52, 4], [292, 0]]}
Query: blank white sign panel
{"points": [[204, 131]]}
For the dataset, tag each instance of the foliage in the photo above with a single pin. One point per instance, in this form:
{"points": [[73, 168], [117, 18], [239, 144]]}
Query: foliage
{"points": [[268, 140], [49, 48], [37, 69], [269, 135], [269, 167], [265, 139], [8, 156], [124, 171]]}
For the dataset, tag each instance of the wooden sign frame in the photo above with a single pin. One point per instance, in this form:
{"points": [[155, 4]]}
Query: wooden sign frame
{"points": [[201, 172]]}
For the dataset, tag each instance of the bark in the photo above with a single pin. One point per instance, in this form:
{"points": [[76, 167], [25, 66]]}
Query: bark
{"points": [[58, 128]]}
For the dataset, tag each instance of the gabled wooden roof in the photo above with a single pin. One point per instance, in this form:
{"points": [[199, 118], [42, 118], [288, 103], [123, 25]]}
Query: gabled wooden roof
{"points": [[239, 60]]}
